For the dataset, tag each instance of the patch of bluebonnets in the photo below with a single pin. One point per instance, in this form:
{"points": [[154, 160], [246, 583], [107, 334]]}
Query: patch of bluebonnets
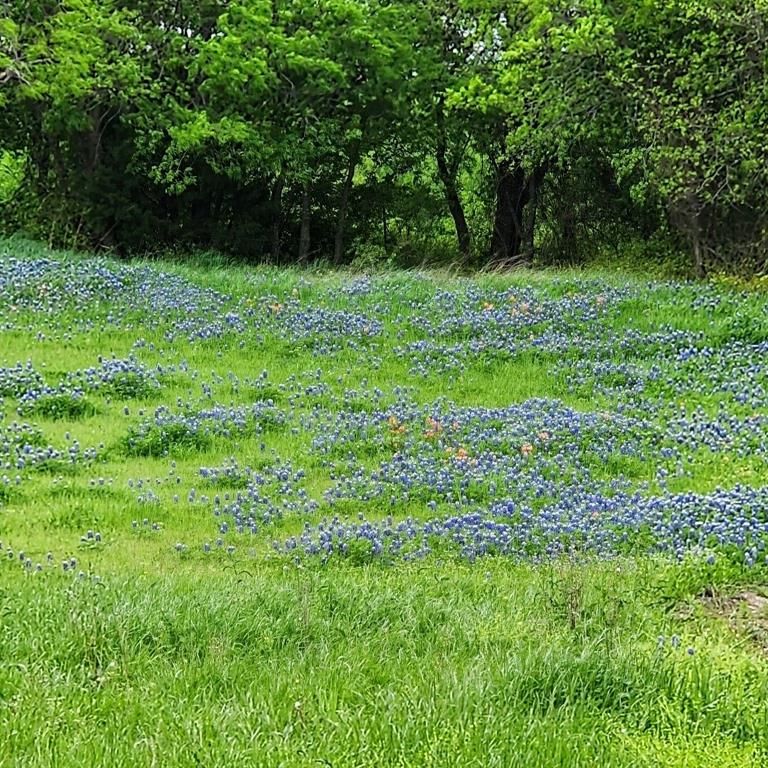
{"points": [[406, 479]]}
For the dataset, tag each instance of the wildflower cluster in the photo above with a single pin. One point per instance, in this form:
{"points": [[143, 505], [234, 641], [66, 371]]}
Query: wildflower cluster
{"points": [[23, 447], [616, 459], [194, 429]]}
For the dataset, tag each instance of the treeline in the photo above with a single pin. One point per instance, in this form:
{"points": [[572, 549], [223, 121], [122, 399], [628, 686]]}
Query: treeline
{"points": [[491, 132]]}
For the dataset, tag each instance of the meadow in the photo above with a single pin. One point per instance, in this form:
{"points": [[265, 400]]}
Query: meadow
{"points": [[253, 516]]}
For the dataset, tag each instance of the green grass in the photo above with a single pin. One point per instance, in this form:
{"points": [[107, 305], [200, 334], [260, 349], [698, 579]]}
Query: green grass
{"points": [[185, 659], [414, 666]]}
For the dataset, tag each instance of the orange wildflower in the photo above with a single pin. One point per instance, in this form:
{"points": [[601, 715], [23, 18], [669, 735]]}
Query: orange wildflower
{"points": [[434, 428]]}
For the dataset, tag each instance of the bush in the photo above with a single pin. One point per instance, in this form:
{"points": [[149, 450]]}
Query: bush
{"points": [[57, 405]]}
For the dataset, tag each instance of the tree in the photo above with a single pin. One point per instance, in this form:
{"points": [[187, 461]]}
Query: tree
{"points": [[540, 66], [290, 128], [74, 77], [696, 94]]}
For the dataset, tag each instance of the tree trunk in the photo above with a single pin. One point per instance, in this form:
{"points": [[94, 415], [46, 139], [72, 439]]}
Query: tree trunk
{"points": [[511, 197], [93, 144], [691, 217], [530, 219], [698, 255], [304, 233], [276, 204], [447, 174], [338, 246], [568, 251], [101, 228]]}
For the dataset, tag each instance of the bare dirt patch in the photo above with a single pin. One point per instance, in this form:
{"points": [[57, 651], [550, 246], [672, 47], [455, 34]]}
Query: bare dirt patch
{"points": [[746, 613]]}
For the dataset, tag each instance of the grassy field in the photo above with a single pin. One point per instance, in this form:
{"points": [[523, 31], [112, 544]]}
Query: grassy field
{"points": [[263, 517]]}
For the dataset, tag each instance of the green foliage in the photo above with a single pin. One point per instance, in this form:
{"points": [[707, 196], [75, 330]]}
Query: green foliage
{"points": [[694, 73], [11, 175], [749, 327], [59, 405], [161, 439], [523, 131], [130, 385], [183, 658], [389, 667]]}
